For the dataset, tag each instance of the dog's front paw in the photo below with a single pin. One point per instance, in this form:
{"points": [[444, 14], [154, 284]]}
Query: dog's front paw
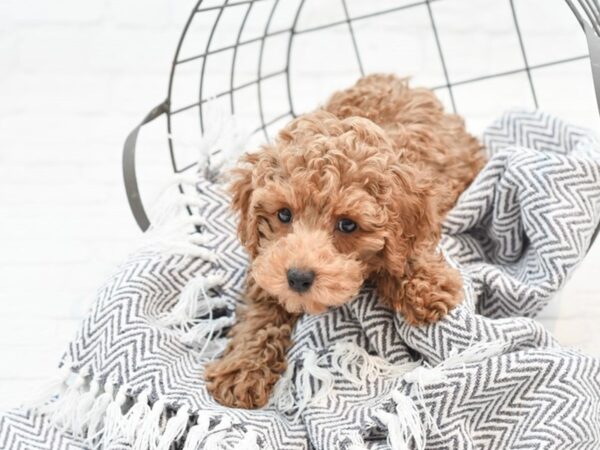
{"points": [[240, 383], [429, 308], [431, 294]]}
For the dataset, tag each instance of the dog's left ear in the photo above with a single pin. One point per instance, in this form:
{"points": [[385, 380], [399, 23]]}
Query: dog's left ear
{"points": [[413, 219], [413, 278], [241, 189]]}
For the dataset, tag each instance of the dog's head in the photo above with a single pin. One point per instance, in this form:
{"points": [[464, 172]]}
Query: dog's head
{"points": [[327, 206]]}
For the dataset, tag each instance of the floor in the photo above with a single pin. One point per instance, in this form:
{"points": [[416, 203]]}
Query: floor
{"points": [[73, 82]]}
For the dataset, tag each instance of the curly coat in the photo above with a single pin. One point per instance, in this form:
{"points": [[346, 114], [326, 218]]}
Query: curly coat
{"points": [[380, 154]]}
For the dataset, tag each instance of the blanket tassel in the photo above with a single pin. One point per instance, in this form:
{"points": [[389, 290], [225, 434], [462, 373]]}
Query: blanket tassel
{"points": [[197, 433], [174, 429]]}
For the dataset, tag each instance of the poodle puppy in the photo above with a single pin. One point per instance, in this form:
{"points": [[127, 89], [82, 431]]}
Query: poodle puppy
{"points": [[354, 191]]}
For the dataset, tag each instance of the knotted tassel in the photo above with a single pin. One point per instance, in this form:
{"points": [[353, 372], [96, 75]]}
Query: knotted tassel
{"points": [[356, 441], [405, 430], [195, 302], [309, 370], [347, 356], [84, 407], [198, 432], [135, 416], [283, 397], [249, 442], [201, 335], [97, 413], [214, 439], [66, 406], [175, 428], [114, 421], [149, 432]]}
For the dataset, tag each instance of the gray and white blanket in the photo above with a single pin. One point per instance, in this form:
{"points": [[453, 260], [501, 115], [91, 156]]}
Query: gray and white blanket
{"points": [[486, 376]]}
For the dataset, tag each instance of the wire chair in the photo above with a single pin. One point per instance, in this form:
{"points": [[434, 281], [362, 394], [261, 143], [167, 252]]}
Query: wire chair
{"points": [[266, 61]]}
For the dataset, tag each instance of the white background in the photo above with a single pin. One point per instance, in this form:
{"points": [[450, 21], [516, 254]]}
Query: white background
{"points": [[76, 76]]}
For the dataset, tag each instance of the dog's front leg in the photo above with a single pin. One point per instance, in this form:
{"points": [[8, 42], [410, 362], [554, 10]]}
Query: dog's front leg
{"points": [[429, 289], [255, 357]]}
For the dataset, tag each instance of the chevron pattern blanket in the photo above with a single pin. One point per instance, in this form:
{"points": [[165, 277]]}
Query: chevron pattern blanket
{"points": [[486, 376]]}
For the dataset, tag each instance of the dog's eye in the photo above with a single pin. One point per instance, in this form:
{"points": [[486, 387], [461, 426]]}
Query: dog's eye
{"points": [[284, 215], [346, 225]]}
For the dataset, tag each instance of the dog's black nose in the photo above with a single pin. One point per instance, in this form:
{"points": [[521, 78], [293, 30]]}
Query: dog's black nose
{"points": [[300, 280]]}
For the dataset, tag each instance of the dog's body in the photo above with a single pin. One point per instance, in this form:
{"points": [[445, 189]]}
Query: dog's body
{"points": [[356, 190]]}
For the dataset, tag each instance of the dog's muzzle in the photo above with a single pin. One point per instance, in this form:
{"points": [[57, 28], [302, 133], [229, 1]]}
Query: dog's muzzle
{"points": [[300, 280]]}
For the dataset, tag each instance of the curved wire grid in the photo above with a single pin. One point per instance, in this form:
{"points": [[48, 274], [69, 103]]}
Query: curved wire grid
{"points": [[212, 58]]}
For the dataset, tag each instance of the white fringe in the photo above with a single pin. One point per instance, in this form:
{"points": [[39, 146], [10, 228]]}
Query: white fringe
{"points": [[174, 429], [194, 302], [202, 333], [65, 408], [173, 229], [198, 432], [405, 428], [114, 420], [84, 407], [149, 430], [99, 417], [136, 415], [215, 436], [222, 142], [171, 203], [353, 363], [93, 412], [424, 375], [407, 410], [347, 356], [356, 441], [95, 418], [215, 347], [172, 240], [248, 442], [310, 369], [283, 392], [97, 414]]}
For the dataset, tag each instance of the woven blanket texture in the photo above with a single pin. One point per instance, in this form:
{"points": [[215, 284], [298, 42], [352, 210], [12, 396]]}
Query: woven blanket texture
{"points": [[486, 376]]}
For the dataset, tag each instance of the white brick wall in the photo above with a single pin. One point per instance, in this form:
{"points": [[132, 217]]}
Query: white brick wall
{"points": [[74, 78]]}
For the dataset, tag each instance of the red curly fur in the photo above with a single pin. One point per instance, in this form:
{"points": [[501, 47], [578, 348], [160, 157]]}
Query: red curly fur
{"points": [[381, 154]]}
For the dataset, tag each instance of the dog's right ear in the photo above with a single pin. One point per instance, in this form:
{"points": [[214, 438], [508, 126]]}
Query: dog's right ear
{"points": [[241, 188], [414, 279]]}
